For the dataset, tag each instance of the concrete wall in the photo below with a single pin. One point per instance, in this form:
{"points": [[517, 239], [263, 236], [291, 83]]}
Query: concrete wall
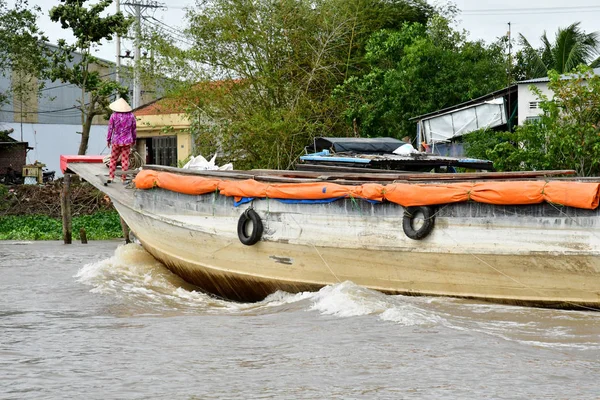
{"points": [[526, 97]]}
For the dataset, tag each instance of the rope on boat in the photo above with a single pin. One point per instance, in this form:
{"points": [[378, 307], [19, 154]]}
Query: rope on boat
{"points": [[135, 160], [330, 270], [319, 253]]}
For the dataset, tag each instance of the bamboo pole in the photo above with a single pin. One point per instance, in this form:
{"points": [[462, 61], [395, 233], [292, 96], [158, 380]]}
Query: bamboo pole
{"points": [[65, 208]]}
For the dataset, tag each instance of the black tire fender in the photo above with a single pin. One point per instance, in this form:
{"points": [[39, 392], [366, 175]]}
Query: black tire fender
{"points": [[249, 216], [409, 218]]}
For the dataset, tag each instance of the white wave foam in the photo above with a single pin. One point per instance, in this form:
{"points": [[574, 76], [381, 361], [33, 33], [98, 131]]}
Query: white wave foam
{"points": [[133, 273], [348, 300], [147, 288]]}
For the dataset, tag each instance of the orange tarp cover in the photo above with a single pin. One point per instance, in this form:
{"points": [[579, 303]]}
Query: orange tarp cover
{"points": [[420, 195], [193, 184], [247, 188], [573, 194]]}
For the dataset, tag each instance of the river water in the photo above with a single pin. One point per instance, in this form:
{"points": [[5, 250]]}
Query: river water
{"points": [[107, 321]]}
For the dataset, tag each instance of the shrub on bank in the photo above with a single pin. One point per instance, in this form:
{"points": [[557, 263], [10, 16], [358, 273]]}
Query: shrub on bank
{"points": [[101, 225]]}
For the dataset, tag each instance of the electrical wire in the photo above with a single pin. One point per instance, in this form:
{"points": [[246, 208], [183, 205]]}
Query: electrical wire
{"points": [[70, 84], [39, 112], [529, 10], [173, 35], [174, 31]]}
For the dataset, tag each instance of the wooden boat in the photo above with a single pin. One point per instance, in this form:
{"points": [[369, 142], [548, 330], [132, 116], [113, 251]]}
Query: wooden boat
{"points": [[243, 235]]}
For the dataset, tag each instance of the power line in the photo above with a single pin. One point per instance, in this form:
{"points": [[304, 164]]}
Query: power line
{"points": [[40, 112], [70, 84], [175, 33], [73, 111], [171, 28], [540, 10]]}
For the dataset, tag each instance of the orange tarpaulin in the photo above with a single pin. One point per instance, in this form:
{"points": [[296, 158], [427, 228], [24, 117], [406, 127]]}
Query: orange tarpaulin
{"points": [[312, 191], [369, 191], [246, 188], [572, 194], [193, 184], [508, 193], [146, 179], [409, 195]]}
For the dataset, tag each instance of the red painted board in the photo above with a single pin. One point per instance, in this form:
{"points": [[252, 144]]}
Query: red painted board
{"points": [[66, 159]]}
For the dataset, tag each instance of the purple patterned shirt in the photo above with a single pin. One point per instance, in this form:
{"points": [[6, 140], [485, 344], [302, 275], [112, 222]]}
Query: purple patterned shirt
{"points": [[121, 128]]}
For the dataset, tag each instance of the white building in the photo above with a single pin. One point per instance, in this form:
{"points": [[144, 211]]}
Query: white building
{"points": [[499, 110]]}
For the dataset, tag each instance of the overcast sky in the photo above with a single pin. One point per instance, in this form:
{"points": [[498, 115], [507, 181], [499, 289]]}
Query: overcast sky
{"points": [[484, 19]]}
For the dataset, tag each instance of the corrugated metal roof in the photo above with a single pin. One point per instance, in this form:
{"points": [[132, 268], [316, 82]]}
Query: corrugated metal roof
{"points": [[497, 93], [164, 105], [546, 79]]}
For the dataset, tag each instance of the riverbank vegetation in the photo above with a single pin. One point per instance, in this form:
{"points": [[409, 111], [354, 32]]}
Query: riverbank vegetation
{"points": [[32, 212]]}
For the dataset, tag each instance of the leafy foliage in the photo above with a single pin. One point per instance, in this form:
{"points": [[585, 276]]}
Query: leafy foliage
{"points": [[416, 70], [99, 226], [272, 67], [571, 47], [89, 27], [565, 137], [22, 51]]}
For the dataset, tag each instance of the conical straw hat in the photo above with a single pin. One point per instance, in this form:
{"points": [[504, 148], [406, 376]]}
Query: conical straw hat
{"points": [[120, 105]]}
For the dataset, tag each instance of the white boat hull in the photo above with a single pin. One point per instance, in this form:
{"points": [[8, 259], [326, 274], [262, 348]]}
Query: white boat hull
{"points": [[534, 255]]}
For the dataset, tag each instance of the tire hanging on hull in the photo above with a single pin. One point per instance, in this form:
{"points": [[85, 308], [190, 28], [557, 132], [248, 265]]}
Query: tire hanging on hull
{"points": [[249, 216], [409, 219]]}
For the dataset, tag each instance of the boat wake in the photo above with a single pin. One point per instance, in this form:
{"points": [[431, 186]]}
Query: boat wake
{"points": [[139, 280], [147, 287]]}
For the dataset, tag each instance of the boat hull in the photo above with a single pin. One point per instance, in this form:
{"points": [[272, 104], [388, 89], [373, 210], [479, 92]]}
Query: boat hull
{"points": [[541, 255]]}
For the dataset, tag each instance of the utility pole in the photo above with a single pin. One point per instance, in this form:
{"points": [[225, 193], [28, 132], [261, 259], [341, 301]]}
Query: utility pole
{"points": [[509, 78], [118, 59], [509, 54], [137, 8], [137, 90]]}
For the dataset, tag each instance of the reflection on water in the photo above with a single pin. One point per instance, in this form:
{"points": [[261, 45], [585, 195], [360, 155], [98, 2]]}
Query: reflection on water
{"points": [[113, 319]]}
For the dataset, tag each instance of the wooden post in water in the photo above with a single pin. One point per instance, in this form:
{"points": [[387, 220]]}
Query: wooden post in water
{"points": [[82, 235], [65, 209], [125, 231]]}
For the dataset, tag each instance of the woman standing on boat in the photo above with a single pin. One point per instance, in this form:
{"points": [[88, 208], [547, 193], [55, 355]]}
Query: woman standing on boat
{"points": [[121, 137]]}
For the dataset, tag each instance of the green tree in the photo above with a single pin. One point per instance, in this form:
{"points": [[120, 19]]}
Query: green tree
{"points": [[416, 70], [22, 53], [565, 137], [272, 66], [571, 47], [89, 27]]}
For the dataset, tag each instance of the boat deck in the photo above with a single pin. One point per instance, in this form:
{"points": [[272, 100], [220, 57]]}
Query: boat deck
{"points": [[97, 174]]}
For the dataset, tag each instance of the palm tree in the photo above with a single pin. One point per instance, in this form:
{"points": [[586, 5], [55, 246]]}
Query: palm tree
{"points": [[571, 48]]}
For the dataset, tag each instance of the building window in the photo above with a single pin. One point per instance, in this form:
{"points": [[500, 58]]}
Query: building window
{"points": [[163, 150], [534, 105], [533, 119]]}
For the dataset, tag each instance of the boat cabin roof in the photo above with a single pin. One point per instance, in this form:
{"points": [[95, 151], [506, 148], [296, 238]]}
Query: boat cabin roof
{"points": [[377, 153], [357, 145]]}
